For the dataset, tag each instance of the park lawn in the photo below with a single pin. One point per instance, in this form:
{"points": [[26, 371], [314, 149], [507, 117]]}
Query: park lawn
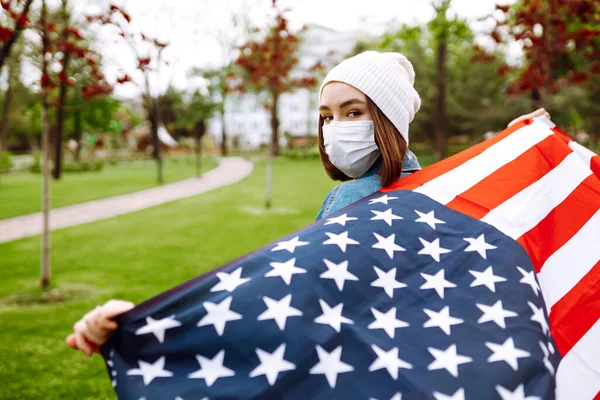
{"points": [[20, 192], [135, 257]]}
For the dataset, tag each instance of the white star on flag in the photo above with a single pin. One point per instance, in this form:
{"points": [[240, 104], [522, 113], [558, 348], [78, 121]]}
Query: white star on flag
{"points": [[229, 281], [279, 310], [517, 394], [447, 359], [441, 319], [386, 321], [387, 281], [383, 200], [432, 249], [458, 395], [495, 313], [506, 352], [330, 365], [219, 315], [332, 316], [158, 327], [342, 219], [290, 245], [539, 317], [397, 396], [437, 282], [529, 279], [285, 270], [388, 244], [211, 369], [150, 371], [479, 245], [428, 219], [338, 272], [342, 240], [547, 362], [388, 360], [486, 278], [386, 216], [272, 364]]}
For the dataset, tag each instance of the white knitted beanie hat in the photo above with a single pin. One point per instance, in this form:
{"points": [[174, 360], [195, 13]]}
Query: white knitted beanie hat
{"points": [[386, 78]]}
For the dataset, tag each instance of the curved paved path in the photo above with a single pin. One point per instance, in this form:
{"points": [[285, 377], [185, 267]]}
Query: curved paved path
{"points": [[229, 171]]}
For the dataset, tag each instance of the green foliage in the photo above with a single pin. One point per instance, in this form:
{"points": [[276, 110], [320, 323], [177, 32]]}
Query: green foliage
{"points": [[72, 166], [304, 153], [5, 161]]}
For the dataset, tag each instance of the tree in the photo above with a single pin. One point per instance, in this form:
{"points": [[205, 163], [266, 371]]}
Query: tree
{"points": [[45, 87], [267, 65], [148, 58], [560, 41], [17, 22], [444, 30], [190, 113]]}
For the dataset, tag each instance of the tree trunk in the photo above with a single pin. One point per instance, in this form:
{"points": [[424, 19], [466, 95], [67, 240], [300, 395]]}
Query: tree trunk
{"points": [[273, 149], [62, 98], [274, 124], [156, 151], [77, 135], [7, 46], [200, 129], [223, 128], [440, 118], [5, 109], [45, 251]]}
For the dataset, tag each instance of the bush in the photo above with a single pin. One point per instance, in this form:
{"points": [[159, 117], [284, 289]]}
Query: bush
{"points": [[71, 166], [5, 161], [302, 153]]}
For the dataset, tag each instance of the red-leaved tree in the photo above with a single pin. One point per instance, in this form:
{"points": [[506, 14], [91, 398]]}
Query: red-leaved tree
{"points": [[560, 39], [70, 45], [265, 65], [17, 13], [148, 58], [54, 49]]}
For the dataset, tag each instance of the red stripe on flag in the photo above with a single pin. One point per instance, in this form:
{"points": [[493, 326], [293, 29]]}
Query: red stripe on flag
{"points": [[574, 314], [416, 180], [515, 176], [562, 222], [595, 166]]}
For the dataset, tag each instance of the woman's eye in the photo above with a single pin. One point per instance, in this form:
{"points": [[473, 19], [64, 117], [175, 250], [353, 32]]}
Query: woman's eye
{"points": [[354, 114], [327, 118]]}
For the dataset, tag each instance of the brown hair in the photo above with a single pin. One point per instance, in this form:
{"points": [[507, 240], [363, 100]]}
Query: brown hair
{"points": [[392, 145]]}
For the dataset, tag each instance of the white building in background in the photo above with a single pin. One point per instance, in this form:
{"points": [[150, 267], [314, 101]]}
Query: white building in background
{"points": [[245, 115]]}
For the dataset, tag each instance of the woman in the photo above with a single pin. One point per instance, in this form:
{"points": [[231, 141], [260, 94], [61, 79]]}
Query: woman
{"points": [[367, 103]]}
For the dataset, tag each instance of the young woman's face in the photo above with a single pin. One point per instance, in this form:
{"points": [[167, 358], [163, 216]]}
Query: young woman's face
{"points": [[341, 102]]}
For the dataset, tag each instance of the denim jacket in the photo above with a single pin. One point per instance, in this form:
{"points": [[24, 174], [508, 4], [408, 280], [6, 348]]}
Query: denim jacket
{"points": [[350, 192]]}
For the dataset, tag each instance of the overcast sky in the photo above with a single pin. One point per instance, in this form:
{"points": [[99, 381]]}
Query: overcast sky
{"points": [[189, 26]]}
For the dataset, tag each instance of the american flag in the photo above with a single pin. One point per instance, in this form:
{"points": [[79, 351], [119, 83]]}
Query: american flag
{"points": [[438, 287]]}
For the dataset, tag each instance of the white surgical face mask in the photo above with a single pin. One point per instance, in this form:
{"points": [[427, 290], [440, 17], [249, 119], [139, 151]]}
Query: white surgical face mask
{"points": [[351, 146]]}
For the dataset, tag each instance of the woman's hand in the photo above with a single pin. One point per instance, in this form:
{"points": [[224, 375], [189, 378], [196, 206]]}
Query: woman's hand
{"points": [[537, 113], [96, 327]]}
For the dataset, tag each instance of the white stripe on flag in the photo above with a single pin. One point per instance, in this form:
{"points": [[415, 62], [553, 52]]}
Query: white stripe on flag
{"points": [[527, 208], [584, 153], [578, 375], [447, 186], [569, 264]]}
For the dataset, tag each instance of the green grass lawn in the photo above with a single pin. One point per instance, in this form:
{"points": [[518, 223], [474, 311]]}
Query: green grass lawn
{"points": [[20, 192], [135, 257]]}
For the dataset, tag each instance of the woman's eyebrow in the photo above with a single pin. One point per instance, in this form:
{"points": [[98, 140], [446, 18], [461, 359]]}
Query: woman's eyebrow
{"points": [[343, 105], [350, 102]]}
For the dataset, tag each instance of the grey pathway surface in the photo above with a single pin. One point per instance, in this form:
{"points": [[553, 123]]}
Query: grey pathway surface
{"points": [[229, 171]]}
